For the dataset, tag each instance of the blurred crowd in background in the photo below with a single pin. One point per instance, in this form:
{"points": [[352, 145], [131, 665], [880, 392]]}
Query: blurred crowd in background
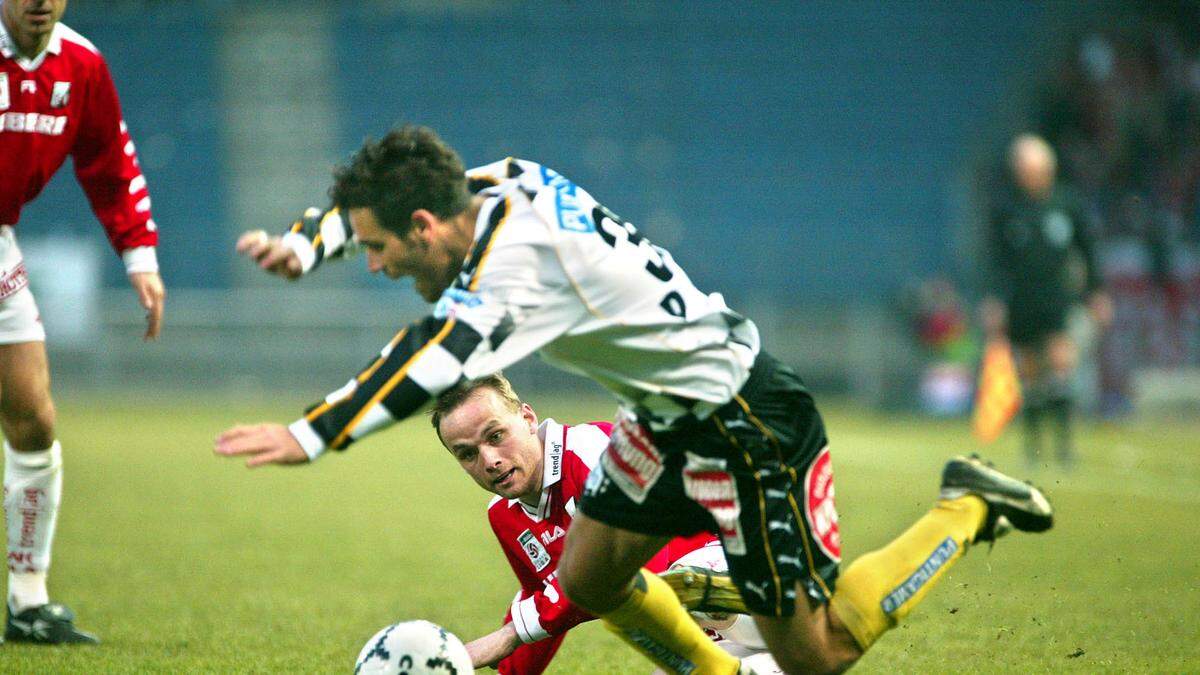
{"points": [[811, 161], [1119, 102]]}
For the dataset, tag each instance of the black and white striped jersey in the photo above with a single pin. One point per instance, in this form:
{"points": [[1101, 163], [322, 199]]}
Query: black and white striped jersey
{"points": [[552, 271]]}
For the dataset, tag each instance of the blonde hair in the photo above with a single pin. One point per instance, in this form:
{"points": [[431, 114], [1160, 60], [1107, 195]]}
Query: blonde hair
{"points": [[449, 400]]}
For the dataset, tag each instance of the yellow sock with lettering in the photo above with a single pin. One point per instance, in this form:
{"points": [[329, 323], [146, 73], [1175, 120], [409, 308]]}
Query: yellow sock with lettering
{"points": [[879, 589], [653, 621]]}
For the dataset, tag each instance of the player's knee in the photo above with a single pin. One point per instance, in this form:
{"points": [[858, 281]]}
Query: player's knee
{"points": [[29, 427]]}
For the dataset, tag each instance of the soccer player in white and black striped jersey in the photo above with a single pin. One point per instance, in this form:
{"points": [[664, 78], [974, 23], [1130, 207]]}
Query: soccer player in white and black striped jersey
{"points": [[713, 434]]}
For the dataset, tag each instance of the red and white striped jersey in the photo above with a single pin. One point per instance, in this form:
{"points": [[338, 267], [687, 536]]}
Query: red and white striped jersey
{"points": [[532, 538], [550, 271], [63, 102]]}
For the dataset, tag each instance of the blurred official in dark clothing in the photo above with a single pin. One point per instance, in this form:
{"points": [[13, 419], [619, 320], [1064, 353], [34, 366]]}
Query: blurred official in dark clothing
{"points": [[1042, 265]]}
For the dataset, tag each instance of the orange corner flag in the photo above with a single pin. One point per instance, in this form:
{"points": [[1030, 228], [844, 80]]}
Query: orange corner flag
{"points": [[998, 397]]}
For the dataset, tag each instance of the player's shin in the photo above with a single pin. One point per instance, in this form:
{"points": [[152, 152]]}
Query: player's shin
{"points": [[879, 589], [32, 489], [653, 621]]}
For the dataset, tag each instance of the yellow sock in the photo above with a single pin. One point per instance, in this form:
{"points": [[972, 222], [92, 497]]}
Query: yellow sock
{"points": [[881, 588], [653, 621]]}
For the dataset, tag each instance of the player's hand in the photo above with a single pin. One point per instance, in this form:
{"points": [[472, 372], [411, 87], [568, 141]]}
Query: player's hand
{"points": [[270, 253], [152, 296], [261, 444]]}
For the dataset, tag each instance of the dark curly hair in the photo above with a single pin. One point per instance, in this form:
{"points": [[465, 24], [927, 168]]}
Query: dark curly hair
{"points": [[408, 169]]}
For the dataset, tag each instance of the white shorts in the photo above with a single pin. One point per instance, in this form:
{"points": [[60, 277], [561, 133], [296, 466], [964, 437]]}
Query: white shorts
{"points": [[20, 320]]}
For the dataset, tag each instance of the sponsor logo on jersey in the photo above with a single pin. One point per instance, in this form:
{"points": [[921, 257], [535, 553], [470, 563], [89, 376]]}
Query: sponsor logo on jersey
{"points": [[554, 454], [632, 462], [32, 123], [555, 535], [4, 100], [534, 549], [453, 298], [940, 556], [571, 216], [819, 508], [60, 95], [707, 483], [29, 86]]}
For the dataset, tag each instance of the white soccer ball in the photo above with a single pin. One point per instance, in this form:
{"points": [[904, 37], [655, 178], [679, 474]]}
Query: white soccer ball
{"points": [[413, 648]]}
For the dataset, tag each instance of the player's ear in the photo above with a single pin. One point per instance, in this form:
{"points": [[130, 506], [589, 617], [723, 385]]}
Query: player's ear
{"points": [[530, 417], [423, 222]]}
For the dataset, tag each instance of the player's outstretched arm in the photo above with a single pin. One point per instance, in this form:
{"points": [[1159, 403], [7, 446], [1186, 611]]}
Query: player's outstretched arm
{"points": [[317, 235], [271, 254], [261, 444], [152, 296], [489, 650]]}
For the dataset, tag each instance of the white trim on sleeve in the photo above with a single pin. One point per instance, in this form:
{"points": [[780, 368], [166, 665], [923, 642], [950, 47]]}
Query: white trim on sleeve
{"points": [[313, 444], [303, 248], [140, 259], [525, 620]]}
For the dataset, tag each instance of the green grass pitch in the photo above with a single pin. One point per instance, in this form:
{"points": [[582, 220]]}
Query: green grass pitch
{"points": [[184, 562]]}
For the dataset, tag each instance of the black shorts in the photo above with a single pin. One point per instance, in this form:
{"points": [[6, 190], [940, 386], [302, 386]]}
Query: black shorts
{"points": [[756, 473]]}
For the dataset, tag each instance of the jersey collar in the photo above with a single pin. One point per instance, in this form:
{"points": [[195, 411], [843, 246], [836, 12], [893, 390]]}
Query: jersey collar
{"points": [[554, 444], [9, 49]]}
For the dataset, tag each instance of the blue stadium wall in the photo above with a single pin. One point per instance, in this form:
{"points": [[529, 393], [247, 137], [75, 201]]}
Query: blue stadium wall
{"points": [[802, 150]]}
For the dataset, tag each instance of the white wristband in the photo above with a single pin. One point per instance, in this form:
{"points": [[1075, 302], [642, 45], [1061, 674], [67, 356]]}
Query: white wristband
{"points": [[307, 437], [303, 249], [140, 259]]}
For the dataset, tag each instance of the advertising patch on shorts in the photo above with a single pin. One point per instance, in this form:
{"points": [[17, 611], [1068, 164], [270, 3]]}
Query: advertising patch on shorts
{"points": [[13, 280], [534, 549], [632, 462], [707, 483], [819, 508]]}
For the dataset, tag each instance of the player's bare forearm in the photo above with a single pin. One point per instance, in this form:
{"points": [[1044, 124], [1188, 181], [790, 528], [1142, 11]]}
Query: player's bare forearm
{"points": [[261, 444], [492, 648], [271, 254], [152, 296]]}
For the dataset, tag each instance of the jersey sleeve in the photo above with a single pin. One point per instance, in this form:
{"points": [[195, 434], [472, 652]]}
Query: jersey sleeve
{"points": [[545, 612], [320, 235], [107, 168], [421, 361], [504, 305], [541, 610]]}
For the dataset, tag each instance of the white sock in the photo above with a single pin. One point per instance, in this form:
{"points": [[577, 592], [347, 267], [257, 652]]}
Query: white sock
{"points": [[32, 490]]}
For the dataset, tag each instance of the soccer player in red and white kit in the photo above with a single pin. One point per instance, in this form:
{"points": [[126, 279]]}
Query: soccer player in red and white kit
{"points": [[57, 98], [537, 472]]}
